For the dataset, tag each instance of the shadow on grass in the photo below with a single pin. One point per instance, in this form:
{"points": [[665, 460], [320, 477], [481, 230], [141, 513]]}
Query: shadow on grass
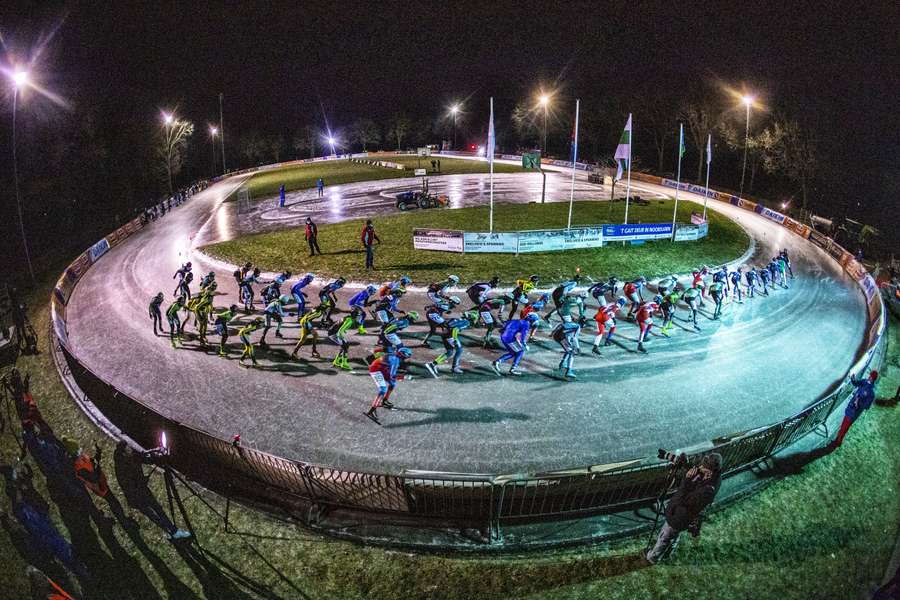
{"points": [[791, 464]]}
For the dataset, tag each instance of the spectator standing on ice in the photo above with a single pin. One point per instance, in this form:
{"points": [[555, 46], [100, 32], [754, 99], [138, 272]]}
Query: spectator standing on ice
{"points": [[281, 196], [320, 185]]}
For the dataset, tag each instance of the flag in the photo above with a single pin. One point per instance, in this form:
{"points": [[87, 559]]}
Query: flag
{"points": [[623, 150], [491, 141], [709, 149], [680, 141]]}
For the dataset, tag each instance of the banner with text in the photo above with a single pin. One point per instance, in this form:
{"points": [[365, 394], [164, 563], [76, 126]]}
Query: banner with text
{"points": [[444, 240], [560, 239], [490, 242], [637, 231]]}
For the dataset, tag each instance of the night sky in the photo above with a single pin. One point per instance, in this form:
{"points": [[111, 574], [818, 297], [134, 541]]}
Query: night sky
{"points": [[279, 66]]}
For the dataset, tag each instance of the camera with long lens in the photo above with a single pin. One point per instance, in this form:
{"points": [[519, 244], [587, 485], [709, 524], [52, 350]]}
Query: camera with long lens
{"points": [[677, 460]]}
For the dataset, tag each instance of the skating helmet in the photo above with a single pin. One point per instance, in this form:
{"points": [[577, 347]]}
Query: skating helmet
{"points": [[341, 280], [873, 375], [284, 299], [212, 275], [258, 320], [442, 306], [533, 318], [256, 272], [641, 280], [187, 265], [160, 296], [412, 316], [309, 276], [405, 280], [453, 300], [658, 299], [404, 352], [495, 281], [247, 265], [613, 279], [287, 274], [545, 296], [534, 279], [695, 272], [233, 308], [453, 279], [371, 289], [621, 302]]}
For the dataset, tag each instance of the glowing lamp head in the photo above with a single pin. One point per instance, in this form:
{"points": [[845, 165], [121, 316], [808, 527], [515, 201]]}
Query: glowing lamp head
{"points": [[454, 109], [747, 100], [213, 131], [331, 141], [167, 118], [163, 441], [544, 100], [20, 78]]}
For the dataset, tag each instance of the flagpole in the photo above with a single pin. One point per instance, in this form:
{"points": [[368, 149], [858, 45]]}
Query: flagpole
{"points": [[708, 164], [678, 177], [628, 184], [490, 149], [574, 161]]}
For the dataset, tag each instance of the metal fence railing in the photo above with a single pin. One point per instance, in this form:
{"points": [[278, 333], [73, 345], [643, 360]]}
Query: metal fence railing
{"points": [[482, 501]]}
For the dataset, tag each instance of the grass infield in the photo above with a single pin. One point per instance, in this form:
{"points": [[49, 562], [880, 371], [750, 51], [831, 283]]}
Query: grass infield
{"points": [[396, 256], [825, 532], [304, 176]]}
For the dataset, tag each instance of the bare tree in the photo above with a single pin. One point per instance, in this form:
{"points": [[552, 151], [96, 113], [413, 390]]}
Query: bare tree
{"points": [[658, 115], [253, 147], [365, 132], [525, 126], [398, 128], [792, 153], [171, 147], [306, 140], [701, 116]]}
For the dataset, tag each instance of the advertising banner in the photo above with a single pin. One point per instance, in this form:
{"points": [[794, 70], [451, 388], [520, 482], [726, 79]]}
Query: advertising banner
{"points": [[490, 242], [98, 249], [819, 239], [798, 228], [687, 233], [697, 218], [869, 287], [560, 239], [444, 240], [638, 231], [770, 214]]}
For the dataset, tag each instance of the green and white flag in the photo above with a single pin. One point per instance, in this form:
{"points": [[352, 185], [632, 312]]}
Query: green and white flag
{"points": [[623, 150], [681, 141]]}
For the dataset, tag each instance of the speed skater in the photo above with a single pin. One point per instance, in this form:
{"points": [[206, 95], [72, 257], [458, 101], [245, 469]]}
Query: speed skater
{"points": [[453, 348], [515, 340], [606, 322], [383, 371], [244, 333]]}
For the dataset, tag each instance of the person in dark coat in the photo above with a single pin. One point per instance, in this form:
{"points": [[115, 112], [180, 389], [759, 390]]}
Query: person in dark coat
{"points": [[312, 237]]}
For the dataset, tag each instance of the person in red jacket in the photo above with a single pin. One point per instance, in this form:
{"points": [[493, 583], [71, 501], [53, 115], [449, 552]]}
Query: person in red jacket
{"points": [[368, 239], [312, 237]]}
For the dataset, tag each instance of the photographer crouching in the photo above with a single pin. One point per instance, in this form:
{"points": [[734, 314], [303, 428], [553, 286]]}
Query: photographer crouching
{"points": [[696, 491]]}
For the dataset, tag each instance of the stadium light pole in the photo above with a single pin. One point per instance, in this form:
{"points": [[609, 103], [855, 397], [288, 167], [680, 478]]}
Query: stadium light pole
{"points": [[168, 120], [748, 102], [544, 101], [222, 131], [213, 132], [331, 142], [19, 79], [454, 110]]}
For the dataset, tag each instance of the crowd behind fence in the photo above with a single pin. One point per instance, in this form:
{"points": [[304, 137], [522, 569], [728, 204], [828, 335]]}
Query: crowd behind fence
{"points": [[485, 502]]}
